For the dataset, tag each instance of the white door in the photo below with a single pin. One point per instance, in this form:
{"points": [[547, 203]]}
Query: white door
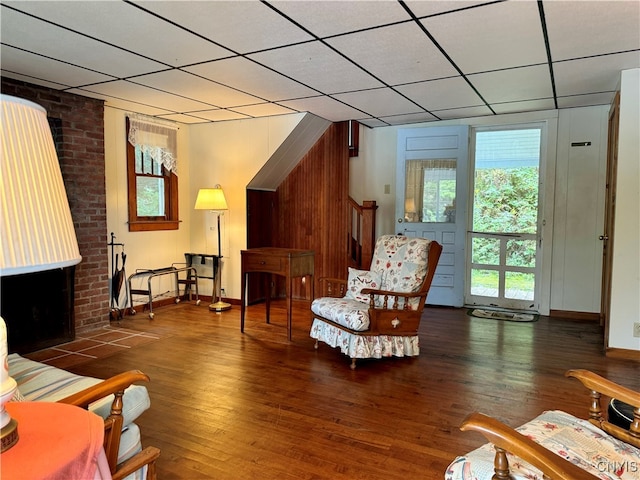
{"points": [[503, 238], [431, 201]]}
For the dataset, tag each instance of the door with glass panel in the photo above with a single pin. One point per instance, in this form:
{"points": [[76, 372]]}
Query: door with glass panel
{"points": [[431, 199], [503, 239]]}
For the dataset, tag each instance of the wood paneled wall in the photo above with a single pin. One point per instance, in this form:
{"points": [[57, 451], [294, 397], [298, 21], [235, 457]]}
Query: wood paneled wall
{"points": [[311, 206]]}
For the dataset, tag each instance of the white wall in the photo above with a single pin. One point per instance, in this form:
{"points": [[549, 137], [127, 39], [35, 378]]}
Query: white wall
{"points": [[145, 250], [229, 154], [625, 286]]}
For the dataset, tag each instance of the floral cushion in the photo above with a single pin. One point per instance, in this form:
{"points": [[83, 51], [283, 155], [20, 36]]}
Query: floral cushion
{"points": [[359, 279], [402, 264], [347, 312], [574, 439]]}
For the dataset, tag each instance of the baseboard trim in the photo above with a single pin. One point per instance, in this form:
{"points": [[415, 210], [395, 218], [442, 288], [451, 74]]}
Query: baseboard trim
{"points": [[623, 353], [571, 315]]}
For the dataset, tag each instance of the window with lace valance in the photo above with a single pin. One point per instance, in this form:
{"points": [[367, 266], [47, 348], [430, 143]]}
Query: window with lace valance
{"points": [[152, 174]]}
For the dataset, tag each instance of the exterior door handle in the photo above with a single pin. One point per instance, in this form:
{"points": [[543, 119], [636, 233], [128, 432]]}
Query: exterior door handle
{"points": [[603, 237]]}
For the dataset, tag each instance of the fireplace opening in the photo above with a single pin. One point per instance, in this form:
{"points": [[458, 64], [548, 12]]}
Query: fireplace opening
{"points": [[38, 309]]}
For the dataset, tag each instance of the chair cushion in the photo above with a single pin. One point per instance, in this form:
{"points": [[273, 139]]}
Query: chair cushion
{"points": [[343, 311], [574, 439], [39, 382], [401, 262], [359, 279]]}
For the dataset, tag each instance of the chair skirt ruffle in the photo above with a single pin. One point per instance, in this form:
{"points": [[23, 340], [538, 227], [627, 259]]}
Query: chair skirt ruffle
{"points": [[365, 346]]}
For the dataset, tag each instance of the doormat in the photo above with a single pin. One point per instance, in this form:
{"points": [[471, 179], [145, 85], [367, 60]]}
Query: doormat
{"points": [[502, 315]]}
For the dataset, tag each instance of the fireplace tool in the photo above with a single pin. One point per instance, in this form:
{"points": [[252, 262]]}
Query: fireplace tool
{"points": [[117, 278]]}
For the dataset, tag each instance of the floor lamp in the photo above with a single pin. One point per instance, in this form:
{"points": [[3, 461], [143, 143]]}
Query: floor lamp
{"points": [[213, 199]]}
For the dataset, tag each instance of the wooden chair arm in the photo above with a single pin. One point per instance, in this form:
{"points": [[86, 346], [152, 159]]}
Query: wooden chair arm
{"points": [[371, 291], [599, 386], [596, 383], [508, 439], [148, 456], [117, 383]]}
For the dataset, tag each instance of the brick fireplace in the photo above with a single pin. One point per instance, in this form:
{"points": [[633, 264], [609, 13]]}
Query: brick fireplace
{"points": [[80, 146]]}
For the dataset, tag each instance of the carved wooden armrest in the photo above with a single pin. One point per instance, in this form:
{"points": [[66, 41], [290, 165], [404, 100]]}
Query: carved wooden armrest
{"points": [[599, 386], [506, 439], [395, 295], [332, 287], [113, 385], [148, 456]]}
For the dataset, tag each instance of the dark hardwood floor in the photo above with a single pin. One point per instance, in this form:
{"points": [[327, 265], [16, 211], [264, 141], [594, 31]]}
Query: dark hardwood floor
{"points": [[228, 405]]}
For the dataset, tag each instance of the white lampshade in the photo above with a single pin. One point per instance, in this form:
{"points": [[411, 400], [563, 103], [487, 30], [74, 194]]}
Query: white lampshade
{"points": [[36, 229], [211, 199]]}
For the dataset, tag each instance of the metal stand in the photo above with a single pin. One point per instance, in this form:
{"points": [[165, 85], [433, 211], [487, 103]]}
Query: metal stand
{"points": [[219, 306]]}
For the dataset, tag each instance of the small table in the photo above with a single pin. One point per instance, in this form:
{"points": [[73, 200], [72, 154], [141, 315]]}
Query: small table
{"points": [[56, 441], [288, 262]]}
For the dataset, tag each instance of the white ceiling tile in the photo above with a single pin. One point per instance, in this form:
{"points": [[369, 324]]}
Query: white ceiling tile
{"points": [[423, 8], [500, 35], [324, 107], [372, 122], [526, 106], [252, 78], [324, 18], [317, 66], [36, 66], [128, 27], [605, 98], [594, 74], [466, 112], [54, 42], [528, 83], [579, 28], [438, 94], [183, 118], [149, 96], [218, 115], [196, 88], [263, 110], [120, 104], [396, 54], [379, 102], [242, 26], [409, 118]]}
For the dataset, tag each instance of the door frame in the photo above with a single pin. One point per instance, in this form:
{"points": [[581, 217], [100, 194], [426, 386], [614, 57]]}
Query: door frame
{"points": [[609, 215], [479, 300]]}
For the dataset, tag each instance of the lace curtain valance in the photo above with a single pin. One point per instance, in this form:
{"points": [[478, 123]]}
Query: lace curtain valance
{"points": [[156, 139]]}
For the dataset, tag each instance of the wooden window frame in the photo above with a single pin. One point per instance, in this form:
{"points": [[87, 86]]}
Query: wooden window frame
{"points": [[170, 220]]}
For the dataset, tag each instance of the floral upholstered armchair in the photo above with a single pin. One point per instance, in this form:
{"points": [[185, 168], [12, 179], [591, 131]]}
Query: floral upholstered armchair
{"points": [[376, 313]]}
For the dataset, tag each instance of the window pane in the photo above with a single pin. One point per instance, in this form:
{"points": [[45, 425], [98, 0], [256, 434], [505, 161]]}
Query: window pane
{"points": [[484, 283], [486, 251], [521, 253], [150, 201], [430, 192], [519, 286]]}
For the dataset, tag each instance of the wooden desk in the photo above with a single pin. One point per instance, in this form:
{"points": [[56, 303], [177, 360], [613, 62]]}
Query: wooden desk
{"points": [[287, 262]]}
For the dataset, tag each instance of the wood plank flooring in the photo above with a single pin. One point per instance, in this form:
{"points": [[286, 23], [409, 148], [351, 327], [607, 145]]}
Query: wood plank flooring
{"points": [[227, 405]]}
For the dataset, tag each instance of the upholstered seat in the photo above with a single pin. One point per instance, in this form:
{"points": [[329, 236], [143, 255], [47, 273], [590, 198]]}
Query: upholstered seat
{"points": [[556, 444], [376, 313], [38, 382]]}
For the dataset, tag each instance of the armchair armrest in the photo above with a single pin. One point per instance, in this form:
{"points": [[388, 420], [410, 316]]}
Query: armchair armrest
{"points": [[395, 295], [505, 438], [117, 383], [599, 386]]}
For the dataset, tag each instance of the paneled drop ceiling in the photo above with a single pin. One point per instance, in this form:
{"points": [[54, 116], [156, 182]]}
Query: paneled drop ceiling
{"points": [[381, 62]]}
